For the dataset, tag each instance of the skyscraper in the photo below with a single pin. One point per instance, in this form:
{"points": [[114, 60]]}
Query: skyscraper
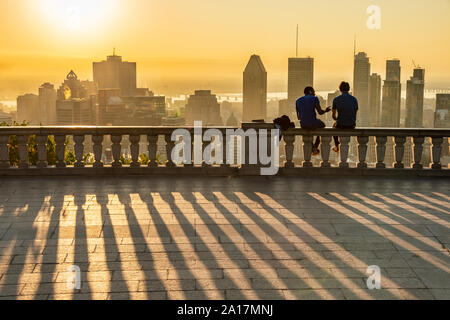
{"points": [[414, 99], [116, 74], [374, 100], [203, 106], [361, 74], [47, 104], [390, 113], [300, 75], [254, 90]]}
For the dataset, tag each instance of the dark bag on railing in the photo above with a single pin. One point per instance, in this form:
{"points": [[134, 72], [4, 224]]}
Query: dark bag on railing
{"points": [[283, 123]]}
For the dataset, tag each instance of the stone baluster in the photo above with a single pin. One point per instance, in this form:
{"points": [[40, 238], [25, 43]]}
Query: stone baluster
{"points": [[381, 151], [436, 152], [191, 163], [134, 148], [225, 149], [289, 149], [4, 153], [204, 145], [169, 147], [325, 151], [98, 150], [344, 151], [41, 146], [79, 150], [307, 150], [60, 146], [152, 149], [22, 142], [399, 152], [362, 151], [116, 147], [418, 150]]}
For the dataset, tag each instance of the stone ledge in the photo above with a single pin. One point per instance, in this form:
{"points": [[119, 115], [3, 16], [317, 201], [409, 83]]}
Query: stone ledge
{"points": [[222, 171]]}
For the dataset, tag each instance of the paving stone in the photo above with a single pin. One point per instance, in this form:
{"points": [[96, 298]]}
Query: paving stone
{"points": [[311, 294], [216, 238]]}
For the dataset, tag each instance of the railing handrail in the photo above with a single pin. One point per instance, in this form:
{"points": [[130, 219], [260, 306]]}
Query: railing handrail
{"points": [[360, 131]]}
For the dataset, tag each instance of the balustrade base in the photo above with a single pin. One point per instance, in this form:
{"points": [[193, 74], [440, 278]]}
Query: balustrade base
{"points": [[221, 171]]}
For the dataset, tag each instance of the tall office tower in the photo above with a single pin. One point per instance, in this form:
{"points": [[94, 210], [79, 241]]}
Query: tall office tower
{"points": [[255, 90], [300, 75], [116, 74], [47, 104], [71, 88], [28, 109], [374, 99], [390, 113], [414, 99], [361, 75], [203, 106]]}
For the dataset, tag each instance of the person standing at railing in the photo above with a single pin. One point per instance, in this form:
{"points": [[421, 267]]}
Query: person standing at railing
{"points": [[345, 109], [306, 107]]}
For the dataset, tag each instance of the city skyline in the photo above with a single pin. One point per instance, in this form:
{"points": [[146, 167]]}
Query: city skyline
{"points": [[179, 60]]}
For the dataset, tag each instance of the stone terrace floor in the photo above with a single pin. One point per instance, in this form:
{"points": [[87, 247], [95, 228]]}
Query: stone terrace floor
{"points": [[224, 238]]}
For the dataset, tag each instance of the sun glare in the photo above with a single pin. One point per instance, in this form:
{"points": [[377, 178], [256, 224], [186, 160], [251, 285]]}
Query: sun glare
{"points": [[78, 15]]}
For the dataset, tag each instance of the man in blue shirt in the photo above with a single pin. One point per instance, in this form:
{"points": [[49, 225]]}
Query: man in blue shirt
{"points": [[306, 107], [345, 108]]}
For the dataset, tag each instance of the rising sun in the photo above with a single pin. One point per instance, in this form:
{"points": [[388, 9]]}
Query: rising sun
{"points": [[78, 15]]}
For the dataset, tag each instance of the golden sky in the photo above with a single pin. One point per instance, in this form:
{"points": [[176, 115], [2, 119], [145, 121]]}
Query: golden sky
{"points": [[181, 45]]}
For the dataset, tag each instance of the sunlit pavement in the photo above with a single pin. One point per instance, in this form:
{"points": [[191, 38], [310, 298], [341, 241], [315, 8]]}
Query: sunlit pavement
{"points": [[223, 238]]}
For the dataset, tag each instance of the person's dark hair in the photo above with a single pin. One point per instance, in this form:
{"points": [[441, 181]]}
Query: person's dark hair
{"points": [[344, 86], [309, 90]]}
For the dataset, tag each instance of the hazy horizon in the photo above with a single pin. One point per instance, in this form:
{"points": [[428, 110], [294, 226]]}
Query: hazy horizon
{"points": [[179, 49]]}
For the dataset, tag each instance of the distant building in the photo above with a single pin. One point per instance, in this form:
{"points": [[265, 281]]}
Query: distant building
{"points": [[442, 113], [143, 92], [361, 75], [330, 98], [203, 106], [28, 109], [47, 104], [232, 121], [91, 87], [390, 113], [6, 118], [173, 121], [75, 111], [283, 107], [116, 74], [72, 88], [146, 110], [300, 75], [414, 99], [254, 90], [374, 100]]}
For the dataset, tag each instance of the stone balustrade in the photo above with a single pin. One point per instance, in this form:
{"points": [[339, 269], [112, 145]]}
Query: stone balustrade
{"points": [[286, 166]]}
